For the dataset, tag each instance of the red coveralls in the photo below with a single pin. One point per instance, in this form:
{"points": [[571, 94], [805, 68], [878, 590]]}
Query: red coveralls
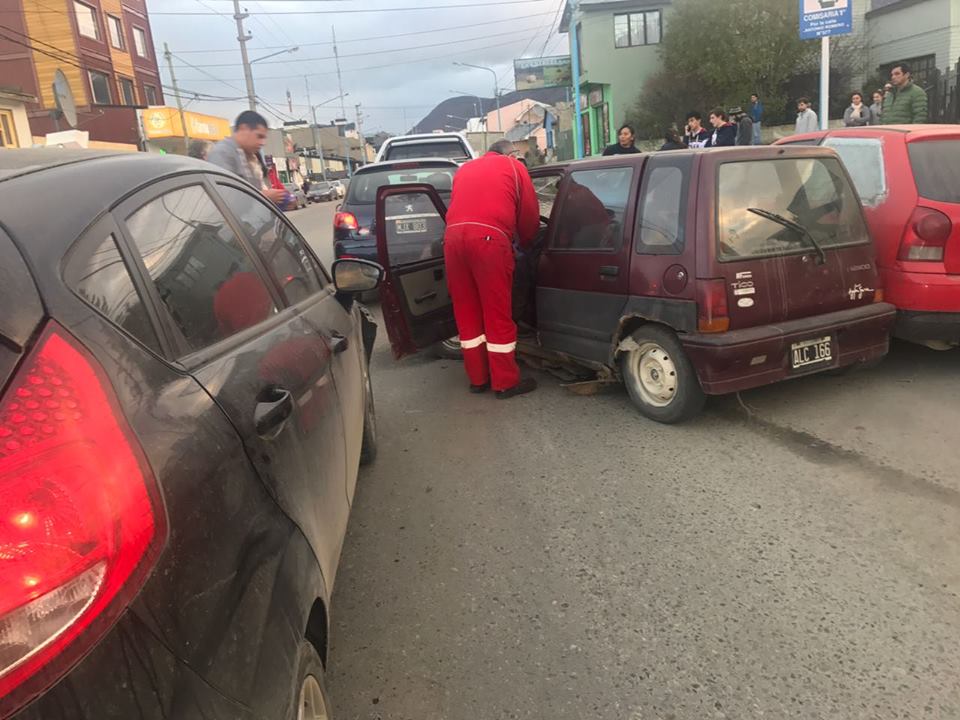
{"points": [[492, 202]]}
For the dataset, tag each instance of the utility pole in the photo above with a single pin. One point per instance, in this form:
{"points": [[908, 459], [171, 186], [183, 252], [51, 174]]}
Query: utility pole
{"points": [[363, 143], [343, 105], [176, 92], [575, 62], [317, 143], [243, 36]]}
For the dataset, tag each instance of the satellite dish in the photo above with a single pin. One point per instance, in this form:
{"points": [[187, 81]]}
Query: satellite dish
{"points": [[64, 97]]}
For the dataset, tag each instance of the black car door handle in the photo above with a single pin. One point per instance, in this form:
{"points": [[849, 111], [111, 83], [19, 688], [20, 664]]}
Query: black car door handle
{"points": [[275, 406], [609, 270], [338, 343]]}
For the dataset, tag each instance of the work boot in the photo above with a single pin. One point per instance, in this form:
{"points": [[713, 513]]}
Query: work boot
{"points": [[477, 389], [521, 388]]}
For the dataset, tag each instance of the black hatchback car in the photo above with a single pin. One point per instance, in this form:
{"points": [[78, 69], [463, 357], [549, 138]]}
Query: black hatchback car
{"points": [[185, 399]]}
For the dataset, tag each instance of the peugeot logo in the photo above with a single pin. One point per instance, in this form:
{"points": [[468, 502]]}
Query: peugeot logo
{"points": [[409, 208]]}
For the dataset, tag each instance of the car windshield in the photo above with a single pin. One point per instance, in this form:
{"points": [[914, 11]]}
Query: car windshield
{"points": [[936, 168], [811, 192], [364, 186], [450, 149]]}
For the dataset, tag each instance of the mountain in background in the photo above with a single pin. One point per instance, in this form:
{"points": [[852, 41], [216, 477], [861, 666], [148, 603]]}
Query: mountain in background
{"points": [[465, 106]]}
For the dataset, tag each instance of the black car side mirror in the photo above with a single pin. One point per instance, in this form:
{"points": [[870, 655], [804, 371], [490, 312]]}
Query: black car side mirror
{"points": [[352, 276]]}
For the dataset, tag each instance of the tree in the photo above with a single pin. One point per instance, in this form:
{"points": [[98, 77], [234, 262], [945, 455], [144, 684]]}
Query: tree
{"points": [[717, 54]]}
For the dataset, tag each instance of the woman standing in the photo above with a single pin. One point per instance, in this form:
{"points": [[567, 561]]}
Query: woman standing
{"points": [[858, 114], [627, 137]]}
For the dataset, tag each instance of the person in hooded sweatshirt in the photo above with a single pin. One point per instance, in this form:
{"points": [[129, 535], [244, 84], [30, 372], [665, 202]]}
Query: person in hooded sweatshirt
{"points": [[807, 121], [724, 132]]}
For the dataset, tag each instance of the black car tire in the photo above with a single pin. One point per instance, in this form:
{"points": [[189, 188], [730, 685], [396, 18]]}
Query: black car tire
{"points": [[659, 378], [368, 450], [448, 349], [309, 690]]}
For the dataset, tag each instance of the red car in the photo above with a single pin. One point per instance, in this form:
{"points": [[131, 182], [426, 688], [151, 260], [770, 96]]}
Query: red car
{"points": [[908, 178], [683, 274]]}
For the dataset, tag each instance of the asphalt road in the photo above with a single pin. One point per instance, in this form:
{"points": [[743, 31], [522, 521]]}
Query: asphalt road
{"points": [[792, 553]]}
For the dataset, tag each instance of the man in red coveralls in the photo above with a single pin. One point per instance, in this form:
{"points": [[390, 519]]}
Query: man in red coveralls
{"points": [[493, 202]]}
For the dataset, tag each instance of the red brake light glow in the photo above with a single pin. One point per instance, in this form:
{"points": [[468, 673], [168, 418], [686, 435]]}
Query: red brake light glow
{"points": [[346, 221], [925, 236], [80, 521], [712, 312]]}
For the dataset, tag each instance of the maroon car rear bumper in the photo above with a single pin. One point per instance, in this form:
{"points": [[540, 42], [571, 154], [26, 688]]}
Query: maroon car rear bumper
{"points": [[743, 359]]}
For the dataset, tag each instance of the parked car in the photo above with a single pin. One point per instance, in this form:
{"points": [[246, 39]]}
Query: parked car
{"points": [[909, 181], [450, 145], [683, 273], [353, 224], [340, 188], [298, 195], [185, 399], [322, 191]]}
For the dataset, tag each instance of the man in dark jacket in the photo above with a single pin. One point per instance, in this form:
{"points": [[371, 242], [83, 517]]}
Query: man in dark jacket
{"points": [[744, 126], [724, 132], [905, 103], [756, 115], [695, 135]]}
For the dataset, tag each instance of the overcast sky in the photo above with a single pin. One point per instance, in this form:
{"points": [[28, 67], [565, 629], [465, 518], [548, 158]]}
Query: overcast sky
{"points": [[396, 80]]}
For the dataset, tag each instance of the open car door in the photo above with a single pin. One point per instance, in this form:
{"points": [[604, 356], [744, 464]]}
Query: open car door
{"points": [[416, 304]]}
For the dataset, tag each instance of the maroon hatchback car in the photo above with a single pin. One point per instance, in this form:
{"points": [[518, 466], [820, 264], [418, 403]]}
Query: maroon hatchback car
{"points": [[684, 274]]}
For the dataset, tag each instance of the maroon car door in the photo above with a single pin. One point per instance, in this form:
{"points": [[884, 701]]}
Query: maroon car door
{"points": [[416, 304]]}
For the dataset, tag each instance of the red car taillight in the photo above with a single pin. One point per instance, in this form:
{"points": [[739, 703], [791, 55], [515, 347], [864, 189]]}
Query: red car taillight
{"points": [[712, 313], [80, 521], [345, 221], [925, 236]]}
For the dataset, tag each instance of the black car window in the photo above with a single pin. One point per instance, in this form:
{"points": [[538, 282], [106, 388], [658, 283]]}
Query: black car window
{"points": [[203, 275], [660, 226], [594, 205], [98, 274], [413, 227], [283, 252]]}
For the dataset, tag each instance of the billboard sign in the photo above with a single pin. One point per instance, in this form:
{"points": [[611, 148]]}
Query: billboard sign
{"points": [[534, 73], [823, 18]]}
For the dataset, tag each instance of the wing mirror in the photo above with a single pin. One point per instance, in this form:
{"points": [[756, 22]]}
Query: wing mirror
{"points": [[351, 275]]}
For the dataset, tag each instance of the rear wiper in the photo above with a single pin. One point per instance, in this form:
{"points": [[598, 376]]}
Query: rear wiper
{"points": [[797, 227]]}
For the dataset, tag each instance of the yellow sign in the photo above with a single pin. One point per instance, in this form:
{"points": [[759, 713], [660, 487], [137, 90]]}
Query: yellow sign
{"points": [[164, 122]]}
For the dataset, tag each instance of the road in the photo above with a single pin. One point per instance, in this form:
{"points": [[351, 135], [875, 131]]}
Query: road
{"points": [[793, 553]]}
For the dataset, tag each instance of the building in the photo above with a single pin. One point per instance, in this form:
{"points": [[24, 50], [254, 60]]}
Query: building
{"points": [[923, 33], [618, 43], [14, 124], [301, 141], [105, 51]]}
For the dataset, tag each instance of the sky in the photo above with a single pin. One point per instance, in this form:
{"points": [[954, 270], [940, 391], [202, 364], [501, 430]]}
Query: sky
{"points": [[385, 65]]}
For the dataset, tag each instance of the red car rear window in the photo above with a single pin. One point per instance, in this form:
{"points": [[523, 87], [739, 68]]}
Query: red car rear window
{"points": [[936, 168]]}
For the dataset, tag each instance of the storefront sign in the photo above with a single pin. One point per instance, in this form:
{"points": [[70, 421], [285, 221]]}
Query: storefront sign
{"points": [[164, 122]]}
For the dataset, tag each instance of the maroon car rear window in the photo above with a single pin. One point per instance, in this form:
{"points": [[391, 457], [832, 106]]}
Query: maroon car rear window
{"points": [[936, 168]]}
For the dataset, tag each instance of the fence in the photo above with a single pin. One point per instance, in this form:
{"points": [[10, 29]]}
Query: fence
{"points": [[943, 95]]}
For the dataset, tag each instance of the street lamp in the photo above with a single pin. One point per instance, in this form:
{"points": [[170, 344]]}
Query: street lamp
{"points": [[477, 105], [248, 71], [496, 87]]}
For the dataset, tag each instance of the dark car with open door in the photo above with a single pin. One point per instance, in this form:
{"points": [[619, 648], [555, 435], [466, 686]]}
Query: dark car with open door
{"points": [[682, 274], [185, 400]]}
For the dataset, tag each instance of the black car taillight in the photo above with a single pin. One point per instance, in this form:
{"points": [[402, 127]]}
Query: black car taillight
{"points": [[81, 524]]}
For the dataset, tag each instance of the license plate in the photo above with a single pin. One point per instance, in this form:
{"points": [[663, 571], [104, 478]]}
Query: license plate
{"points": [[810, 353], [406, 227]]}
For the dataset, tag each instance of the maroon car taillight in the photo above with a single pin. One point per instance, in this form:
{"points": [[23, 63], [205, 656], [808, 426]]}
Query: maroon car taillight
{"points": [[712, 312], [81, 523], [925, 236], [345, 221]]}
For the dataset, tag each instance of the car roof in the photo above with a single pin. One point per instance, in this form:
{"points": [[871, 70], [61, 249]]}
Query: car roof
{"points": [[910, 133], [53, 194], [420, 137]]}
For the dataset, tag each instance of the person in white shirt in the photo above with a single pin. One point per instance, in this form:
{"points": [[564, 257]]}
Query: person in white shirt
{"points": [[806, 118]]}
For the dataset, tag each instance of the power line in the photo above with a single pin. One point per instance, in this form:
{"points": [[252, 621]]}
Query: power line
{"points": [[379, 37], [560, 6], [381, 52]]}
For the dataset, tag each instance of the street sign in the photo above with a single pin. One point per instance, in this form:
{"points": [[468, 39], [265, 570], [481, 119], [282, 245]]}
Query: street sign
{"points": [[823, 18], [532, 73]]}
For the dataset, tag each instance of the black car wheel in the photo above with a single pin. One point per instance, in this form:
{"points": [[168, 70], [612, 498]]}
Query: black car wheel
{"points": [[448, 349], [368, 451], [311, 701], [659, 377]]}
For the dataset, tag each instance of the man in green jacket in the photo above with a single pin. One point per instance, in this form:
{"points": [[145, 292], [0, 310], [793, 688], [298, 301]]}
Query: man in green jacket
{"points": [[905, 103]]}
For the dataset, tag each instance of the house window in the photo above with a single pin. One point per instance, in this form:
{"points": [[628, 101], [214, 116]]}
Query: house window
{"points": [[8, 134], [151, 93], [127, 92], [634, 29], [100, 84], [86, 20], [922, 69], [140, 41], [115, 27]]}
